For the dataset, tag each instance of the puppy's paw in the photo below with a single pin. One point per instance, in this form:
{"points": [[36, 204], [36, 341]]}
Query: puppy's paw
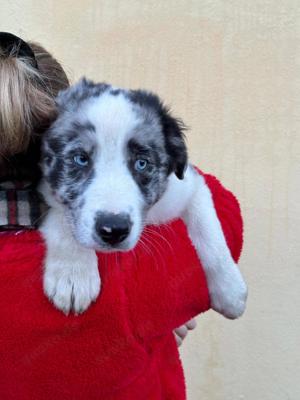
{"points": [[228, 293], [71, 288]]}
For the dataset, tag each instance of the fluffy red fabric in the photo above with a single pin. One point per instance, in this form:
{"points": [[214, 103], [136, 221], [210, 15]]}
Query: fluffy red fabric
{"points": [[122, 348]]}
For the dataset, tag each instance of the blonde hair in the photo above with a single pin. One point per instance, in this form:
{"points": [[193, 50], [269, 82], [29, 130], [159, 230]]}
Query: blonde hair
{"points": [[27, 96]]}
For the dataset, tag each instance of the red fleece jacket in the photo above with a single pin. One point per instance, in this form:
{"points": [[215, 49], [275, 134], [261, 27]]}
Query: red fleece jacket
{"points": [[122, 348]]}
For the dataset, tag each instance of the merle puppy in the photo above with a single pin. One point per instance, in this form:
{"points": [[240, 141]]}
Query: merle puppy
{"points": [[114, 161]]}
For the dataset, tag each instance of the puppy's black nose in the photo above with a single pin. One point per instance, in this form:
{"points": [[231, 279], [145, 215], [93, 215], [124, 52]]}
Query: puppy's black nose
{"points": [[113, 228]]}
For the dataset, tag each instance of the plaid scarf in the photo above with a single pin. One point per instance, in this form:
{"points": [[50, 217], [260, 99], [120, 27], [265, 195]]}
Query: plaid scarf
{"points": [[21, 206]]}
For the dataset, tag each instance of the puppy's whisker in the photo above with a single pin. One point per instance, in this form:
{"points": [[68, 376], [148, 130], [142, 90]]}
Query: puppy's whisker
{"points": [[143, 244], [159, 236], [150, 237], [157, 239], [149, 251], [133, 253], [157, 247]]}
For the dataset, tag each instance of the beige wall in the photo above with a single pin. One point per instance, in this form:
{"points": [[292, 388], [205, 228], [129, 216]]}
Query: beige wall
{"points": [[231, 69]]}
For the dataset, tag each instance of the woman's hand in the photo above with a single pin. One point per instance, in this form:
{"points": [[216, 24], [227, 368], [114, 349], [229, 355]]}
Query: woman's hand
{"points": [[181, 332]]}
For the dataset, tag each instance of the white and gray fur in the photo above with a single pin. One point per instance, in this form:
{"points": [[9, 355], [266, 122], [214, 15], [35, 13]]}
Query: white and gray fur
{"points": [[113, 161]]}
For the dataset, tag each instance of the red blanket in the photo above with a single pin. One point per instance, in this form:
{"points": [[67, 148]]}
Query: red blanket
{"points": [[122, 348]]}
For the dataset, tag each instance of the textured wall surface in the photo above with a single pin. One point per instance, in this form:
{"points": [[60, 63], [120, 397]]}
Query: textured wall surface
{"points": [[231, 70]]}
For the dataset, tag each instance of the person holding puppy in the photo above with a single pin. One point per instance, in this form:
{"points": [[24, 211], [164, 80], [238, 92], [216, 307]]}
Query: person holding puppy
{"points": [[123, 346]]}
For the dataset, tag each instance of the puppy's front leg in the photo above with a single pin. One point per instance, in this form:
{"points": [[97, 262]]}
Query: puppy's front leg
{"points": [[71, 277], [226, 285]]}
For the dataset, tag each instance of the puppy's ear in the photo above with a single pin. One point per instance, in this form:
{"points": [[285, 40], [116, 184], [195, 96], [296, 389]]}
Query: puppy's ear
{"points": [[173, 129]]}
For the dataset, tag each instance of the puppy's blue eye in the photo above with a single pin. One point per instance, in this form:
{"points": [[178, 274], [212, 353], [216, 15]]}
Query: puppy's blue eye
{"points": [[140, 165], [81, 159]]}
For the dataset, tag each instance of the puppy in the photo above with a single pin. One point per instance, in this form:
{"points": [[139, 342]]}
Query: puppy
{"points": [[114, 161]]}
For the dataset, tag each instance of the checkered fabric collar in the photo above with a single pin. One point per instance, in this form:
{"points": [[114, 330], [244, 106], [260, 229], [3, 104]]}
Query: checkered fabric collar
{"points": [[21, 206]]}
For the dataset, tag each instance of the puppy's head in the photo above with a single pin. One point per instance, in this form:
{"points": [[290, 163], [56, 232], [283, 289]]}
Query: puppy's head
{"points": [[107, 159]]}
